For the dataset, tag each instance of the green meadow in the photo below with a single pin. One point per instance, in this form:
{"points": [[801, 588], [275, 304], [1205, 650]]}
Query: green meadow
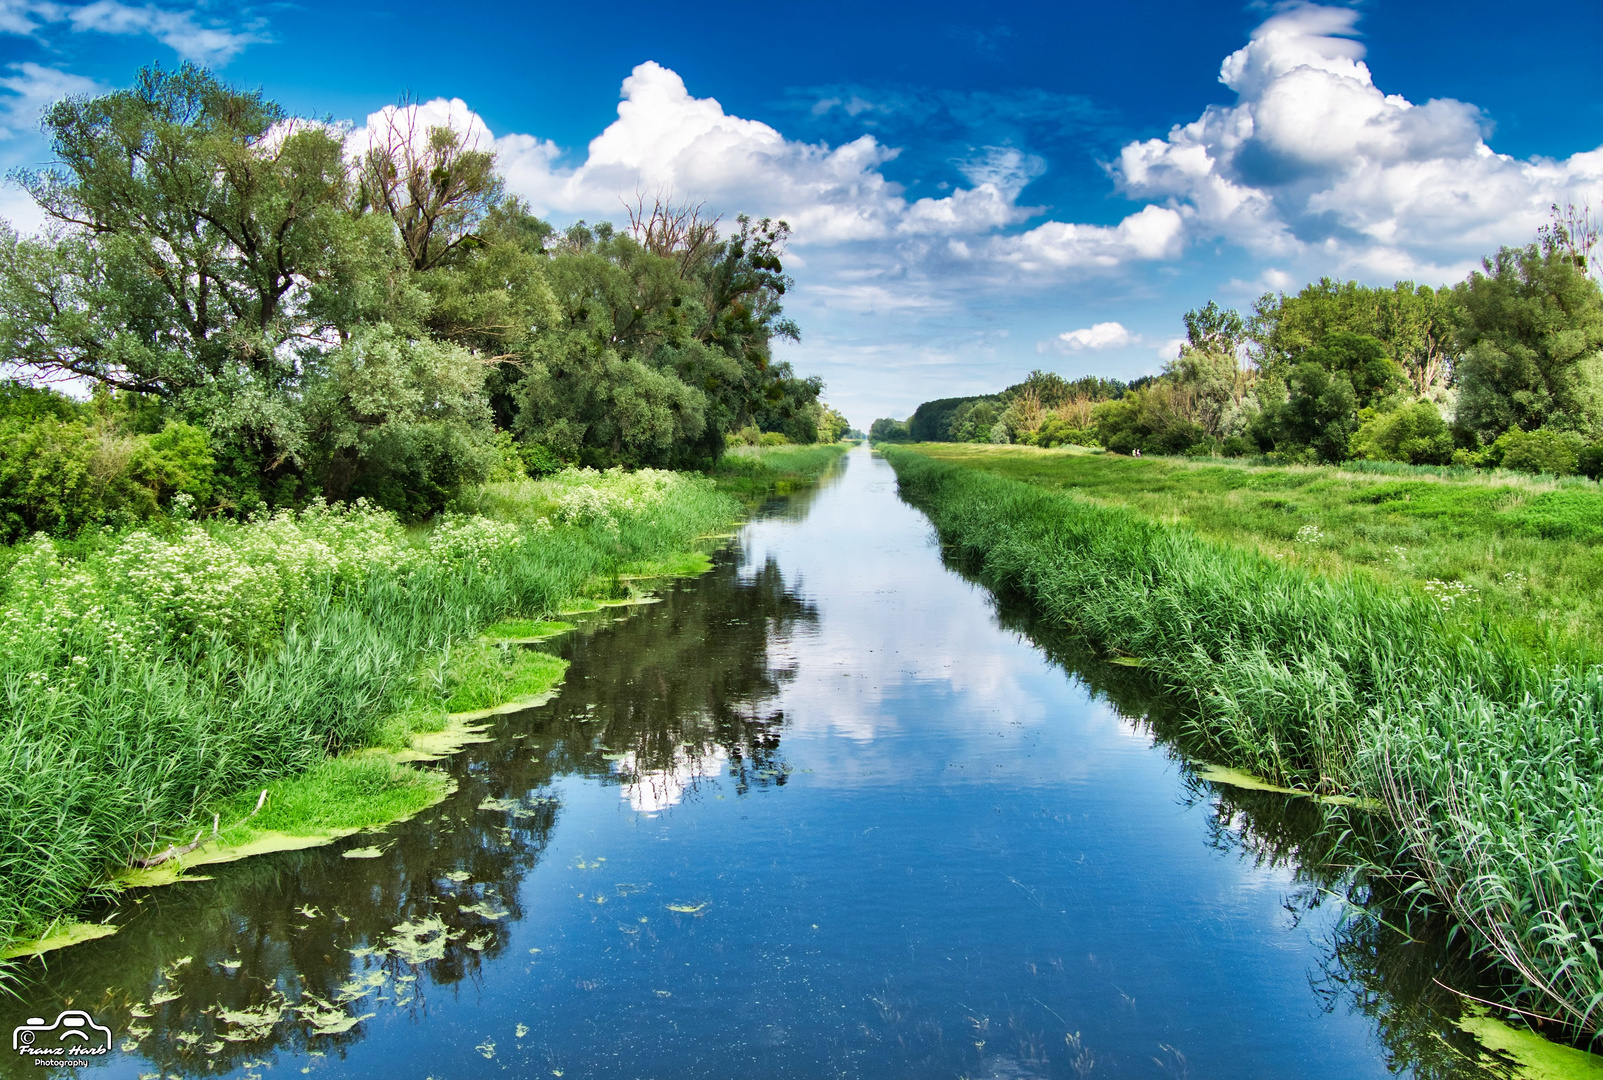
{"points": [[1522, 549]]}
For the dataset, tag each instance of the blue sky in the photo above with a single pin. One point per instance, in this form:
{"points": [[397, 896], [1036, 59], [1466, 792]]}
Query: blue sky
{"points": [[976, 190]]}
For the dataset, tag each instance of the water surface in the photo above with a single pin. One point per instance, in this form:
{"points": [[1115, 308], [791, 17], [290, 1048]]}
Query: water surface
{"points": [[824, 812]]}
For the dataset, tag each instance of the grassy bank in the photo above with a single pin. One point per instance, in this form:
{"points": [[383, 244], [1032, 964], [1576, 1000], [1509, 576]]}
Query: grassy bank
{"points": [[1482, 745], [152, 679], [1526, 550], [755, 471]]}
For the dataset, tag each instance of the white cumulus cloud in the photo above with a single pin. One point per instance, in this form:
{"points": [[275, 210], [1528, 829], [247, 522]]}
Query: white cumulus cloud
{"points": [[1103, 335], [1314, 157], [29, 88], [665, 140]]}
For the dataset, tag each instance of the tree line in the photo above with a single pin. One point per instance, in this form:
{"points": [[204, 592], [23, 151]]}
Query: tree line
{"points": [[245, 310], [1503, 369]]}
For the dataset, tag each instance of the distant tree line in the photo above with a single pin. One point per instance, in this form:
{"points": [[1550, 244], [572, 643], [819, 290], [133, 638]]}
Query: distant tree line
{"points": [[1503, 369], [247, 312]]}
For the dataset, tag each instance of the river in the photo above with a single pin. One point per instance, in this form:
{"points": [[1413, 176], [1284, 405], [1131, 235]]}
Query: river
{"points": [[826, 811]]}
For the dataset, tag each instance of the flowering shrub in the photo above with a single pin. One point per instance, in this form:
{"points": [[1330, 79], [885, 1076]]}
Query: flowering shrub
{"points": [[244, 582], [588, 497], [241, 582], [1448, 594], [460, 540]]}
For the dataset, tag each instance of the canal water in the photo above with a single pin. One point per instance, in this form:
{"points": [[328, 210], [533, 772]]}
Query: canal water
{"points": [[826, 811]]}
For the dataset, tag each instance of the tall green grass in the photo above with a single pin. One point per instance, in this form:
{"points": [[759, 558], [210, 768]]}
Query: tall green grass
{"points": [[150, 676], [759, 470], [1485, 751]]}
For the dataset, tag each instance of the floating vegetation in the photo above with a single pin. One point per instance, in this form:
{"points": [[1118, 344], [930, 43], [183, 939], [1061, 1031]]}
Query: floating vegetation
{"points": [[418, 941], [484, 910], [1221, 774], [360, 986], [325, 1018], [687, 909], [60, 937], [363, 852], [249, 1025], [526, 631], [1537, 1058]]}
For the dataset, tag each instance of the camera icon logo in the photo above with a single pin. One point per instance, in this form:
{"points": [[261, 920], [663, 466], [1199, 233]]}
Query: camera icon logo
{"points": [[74, 1030]]}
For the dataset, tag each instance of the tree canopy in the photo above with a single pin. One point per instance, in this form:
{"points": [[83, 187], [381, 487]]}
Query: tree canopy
{"points": [[341, 319], [1503, 369]]}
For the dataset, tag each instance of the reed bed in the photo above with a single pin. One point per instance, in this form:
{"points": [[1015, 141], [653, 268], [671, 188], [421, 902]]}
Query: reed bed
{"points": [[147, 675], [1484, 750]]}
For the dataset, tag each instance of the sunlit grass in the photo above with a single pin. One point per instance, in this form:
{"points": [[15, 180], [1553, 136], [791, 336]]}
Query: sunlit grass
{"points": [[355, 791]]}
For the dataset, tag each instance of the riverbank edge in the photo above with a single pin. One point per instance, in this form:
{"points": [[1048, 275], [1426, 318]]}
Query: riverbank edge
{"points": [[1063, 555], [459, 730]]}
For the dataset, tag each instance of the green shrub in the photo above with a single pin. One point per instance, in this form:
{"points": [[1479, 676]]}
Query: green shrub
{"points": [[887, 430], [416, 469], [539, 460], [1589, 461], [1413, 433], [507, 464], [1151, 420], [1056, 431], [1556, 453], [177, 460], [46, 482]]}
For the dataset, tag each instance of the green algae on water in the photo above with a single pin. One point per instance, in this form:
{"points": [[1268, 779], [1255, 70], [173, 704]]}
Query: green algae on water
{"points": [[1222, 774], [337, 798], [526, 631], [1535, 1057], [59, 937]]}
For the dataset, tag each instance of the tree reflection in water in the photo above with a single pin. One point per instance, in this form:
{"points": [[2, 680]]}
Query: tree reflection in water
{"points": [[295, 952]]}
